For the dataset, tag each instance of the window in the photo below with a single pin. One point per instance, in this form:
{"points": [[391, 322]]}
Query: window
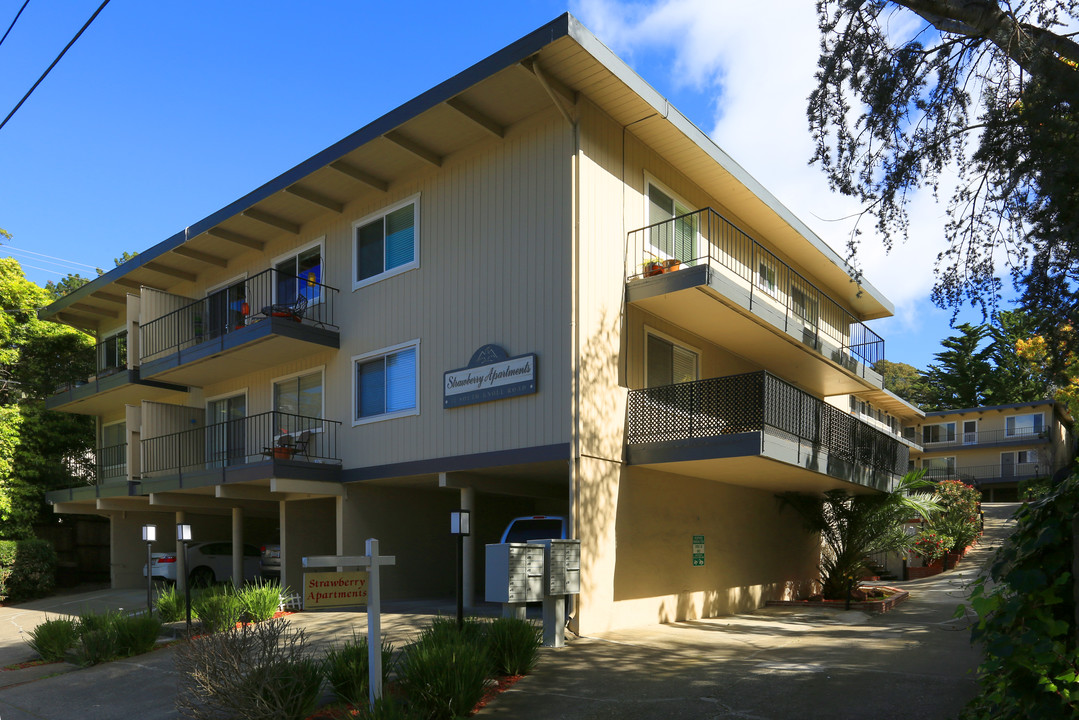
{"points": [[908, 433], [386, 243], [942, 432], [226, 431], [299, 395], [676, 239], [299, 275], [938, 468], [970, 432], [668, 363], [804, 304], [386, 383], [1022, 425], [1023, 462], [112, 455], [112, 353], [766, 275]]}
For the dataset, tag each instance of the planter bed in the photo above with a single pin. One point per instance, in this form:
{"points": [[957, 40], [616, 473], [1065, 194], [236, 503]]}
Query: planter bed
{"points": [[881, 605]]}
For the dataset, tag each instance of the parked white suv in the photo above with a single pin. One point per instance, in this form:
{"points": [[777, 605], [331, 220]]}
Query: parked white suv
{"points": [[210, 562]]}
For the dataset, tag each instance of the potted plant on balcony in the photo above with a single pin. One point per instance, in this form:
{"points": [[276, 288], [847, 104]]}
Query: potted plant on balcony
{"points": [[653, 266]]}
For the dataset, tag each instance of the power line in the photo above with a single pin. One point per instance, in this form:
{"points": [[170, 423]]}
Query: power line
{"points": [[14, 21], [50, 257], [62, 52], [62, 267]]}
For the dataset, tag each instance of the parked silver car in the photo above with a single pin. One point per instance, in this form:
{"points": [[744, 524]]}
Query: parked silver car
{"points": [[270, 562], [535, 527], [210, 562]]}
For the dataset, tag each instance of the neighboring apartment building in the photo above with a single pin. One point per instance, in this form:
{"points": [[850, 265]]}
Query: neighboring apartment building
{"points": [[996, 448], [535, 288]]}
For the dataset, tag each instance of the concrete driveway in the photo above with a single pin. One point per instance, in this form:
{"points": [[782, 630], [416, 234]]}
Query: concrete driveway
{"points": [[774, 664]]}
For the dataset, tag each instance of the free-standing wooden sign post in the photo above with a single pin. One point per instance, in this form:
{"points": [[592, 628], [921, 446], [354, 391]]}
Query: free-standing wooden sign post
{"points": [[372, 561]]}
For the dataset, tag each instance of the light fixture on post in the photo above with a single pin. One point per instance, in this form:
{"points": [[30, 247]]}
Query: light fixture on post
{"points": [[149, 536], [460, 525], [183, 535]]}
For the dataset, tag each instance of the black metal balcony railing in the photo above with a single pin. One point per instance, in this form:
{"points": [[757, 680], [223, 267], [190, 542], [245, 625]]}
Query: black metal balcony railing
{"points": [[269, 435], [756, 402], [271, 293], [977, 474], [111, 463], [706, 237], [986, 437]]}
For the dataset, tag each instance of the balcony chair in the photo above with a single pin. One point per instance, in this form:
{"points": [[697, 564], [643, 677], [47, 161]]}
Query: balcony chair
{"points": [[289, 446], [294, 310]]}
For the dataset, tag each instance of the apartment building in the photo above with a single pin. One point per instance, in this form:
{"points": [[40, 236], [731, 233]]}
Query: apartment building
{"points": [[534, 288], [995, 448]]}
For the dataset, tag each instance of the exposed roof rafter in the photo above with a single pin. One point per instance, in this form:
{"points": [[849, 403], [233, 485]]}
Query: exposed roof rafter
{"points": [[201, 256], [425, 154], [272, 220], [315, 198], [83, 307], [109, 297], [235, 237], [357, 174], [170, 271], [477, 117]]}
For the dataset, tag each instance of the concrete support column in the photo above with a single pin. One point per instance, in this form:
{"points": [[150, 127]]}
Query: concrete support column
{"points": [[237, 547], [468, 596], [181, 556]]}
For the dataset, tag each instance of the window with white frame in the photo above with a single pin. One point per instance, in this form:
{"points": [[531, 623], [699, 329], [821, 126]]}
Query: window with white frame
{"points": [[1023, 425], [299, 395], [668, 363], [938, 433], [386, 243], [1022, 462], [386, 383], [672, 233], [112, 456], [299, 275]]}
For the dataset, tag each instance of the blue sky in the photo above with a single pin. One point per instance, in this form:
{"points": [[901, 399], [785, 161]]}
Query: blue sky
{"points": [[166, 111]]}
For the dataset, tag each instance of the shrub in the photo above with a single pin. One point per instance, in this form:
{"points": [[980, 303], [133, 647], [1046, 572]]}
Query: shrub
{"points": [[513, 645], [96, 645], [217, 609], [91, 621], [959, 517], [261, 600], [444, 673], [27, 569], [171, 605], [1026, 616], [930, 546], [137, 634], [53, 638], [349, 673], [244, 673]]}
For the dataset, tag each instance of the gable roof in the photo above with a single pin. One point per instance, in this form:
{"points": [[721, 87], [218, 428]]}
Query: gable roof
{"points": [[564, 58]]}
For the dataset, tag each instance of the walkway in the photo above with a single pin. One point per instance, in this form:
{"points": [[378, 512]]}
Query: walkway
{"points": [[773, 664]]}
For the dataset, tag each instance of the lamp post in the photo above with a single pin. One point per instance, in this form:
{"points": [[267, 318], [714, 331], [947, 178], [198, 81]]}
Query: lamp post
{"points": [[460, 526], [149, 535], [183, 535]]}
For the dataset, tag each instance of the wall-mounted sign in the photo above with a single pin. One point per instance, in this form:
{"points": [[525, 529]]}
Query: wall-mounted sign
{"points": [[698, 551], [334, 589], [491, 375]]}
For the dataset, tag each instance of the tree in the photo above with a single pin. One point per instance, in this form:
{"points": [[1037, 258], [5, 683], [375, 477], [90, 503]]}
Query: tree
{"points": [[40, 450], [909, 92], [906, 381], [1013, 379], [963, 374]]}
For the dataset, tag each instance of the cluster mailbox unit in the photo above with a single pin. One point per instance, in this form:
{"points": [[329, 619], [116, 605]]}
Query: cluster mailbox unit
{"points": [[539, 570]]}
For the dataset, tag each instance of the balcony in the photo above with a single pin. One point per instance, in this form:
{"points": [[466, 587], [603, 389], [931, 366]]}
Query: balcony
{"points": [[110, 465], [257, 447], [982, 475], [704, 274], [260, 322], [113, 385], [758, 430], [986, 438]]}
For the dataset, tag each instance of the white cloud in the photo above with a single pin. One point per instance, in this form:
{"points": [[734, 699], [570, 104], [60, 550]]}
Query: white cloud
{"points": [[759, 60]]}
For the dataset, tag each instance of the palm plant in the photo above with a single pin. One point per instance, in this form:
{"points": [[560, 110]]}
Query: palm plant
{"points": [[855, 526]]}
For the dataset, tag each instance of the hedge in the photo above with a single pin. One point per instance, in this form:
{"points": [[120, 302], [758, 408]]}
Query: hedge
{"points": [[27, 569]]}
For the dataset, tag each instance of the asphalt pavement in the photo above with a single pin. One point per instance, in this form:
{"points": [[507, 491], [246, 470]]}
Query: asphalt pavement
{"points": [[772, 664]]}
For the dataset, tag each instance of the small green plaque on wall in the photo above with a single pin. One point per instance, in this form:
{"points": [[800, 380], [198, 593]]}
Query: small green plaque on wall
{"points": [[698, 550]]}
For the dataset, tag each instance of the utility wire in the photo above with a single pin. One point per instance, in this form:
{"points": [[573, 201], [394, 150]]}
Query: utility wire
{"points": [[14, 21], [62, 52], [50, 257]]}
